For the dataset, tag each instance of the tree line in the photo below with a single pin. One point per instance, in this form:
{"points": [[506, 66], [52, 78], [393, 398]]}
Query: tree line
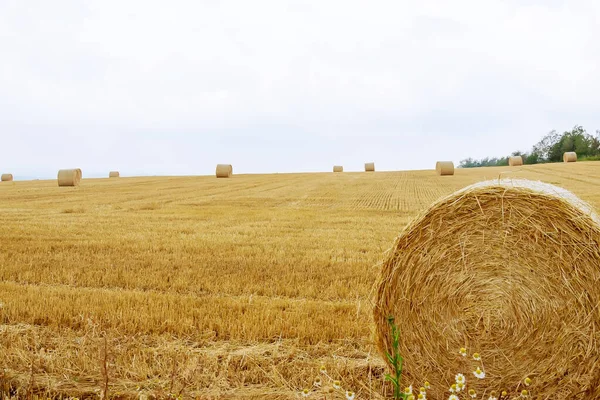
{"points": [[550, 149]]}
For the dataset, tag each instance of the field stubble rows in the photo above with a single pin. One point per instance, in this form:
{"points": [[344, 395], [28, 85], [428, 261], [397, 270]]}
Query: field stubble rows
{"points": [[249, 283]]}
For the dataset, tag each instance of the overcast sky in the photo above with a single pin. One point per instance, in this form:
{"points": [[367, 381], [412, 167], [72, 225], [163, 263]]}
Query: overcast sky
{"points": [[159, 88]]}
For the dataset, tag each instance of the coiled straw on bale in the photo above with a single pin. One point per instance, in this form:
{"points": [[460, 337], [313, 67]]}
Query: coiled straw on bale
{"points": [[370, 167], [444, 167], [509, 269], [69, 177], [570, 156], [224, 171], [338, 168], [6, 177], [515, 161], [114, 174]]}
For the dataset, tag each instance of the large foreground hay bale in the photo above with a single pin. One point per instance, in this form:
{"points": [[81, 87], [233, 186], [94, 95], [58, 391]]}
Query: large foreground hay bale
{"points": [[570, 156], [114, 174], [509, 269], [444, 167], [224, 170], [515, 161], [370, 167], [338, 168], [6, 178], [69, 177]]}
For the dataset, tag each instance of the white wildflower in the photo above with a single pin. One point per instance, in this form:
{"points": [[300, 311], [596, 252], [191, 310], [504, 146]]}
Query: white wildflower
{"points": [[479, 373]]}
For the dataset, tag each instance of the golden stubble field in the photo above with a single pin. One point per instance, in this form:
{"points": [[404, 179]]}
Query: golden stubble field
{"points": [[205, 287]]}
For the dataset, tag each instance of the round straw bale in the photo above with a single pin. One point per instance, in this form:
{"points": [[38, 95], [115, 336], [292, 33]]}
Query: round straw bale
{"points": [[444, 167], [370, 167], [6, 177], [515, 161], [114, 174], [224, 170], [507, 269], [570, 156], [338, 168], [69, 177]]}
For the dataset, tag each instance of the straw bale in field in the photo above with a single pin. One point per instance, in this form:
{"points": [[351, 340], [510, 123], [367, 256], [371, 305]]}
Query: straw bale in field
{"points": [[338, 168], [370, 167], [224, 170], [6, 177], [69, 177], [570, 156], [515, 161], [114, 174], [444, 167], [507, 269]]}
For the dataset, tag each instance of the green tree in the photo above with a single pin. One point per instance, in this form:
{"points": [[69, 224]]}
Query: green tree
{"points": [[549, 149]]}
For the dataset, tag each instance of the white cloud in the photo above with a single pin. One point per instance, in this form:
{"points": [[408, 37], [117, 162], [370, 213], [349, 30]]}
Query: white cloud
{"points": [[274, 85]]}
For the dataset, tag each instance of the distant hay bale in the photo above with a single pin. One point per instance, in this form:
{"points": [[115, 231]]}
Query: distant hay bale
{"points": [[114, 174], [370, 167], [444, 167], [338, 168], [508, 269], [224, 170], [69, 177], [6, 178], [570, 156], [515, 161]]}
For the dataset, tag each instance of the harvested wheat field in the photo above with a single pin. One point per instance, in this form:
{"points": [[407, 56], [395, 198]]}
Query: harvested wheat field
{"points": [[210, 288]]}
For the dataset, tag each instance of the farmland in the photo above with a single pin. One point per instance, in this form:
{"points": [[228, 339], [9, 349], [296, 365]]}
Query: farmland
{"points": [[212, 288]]}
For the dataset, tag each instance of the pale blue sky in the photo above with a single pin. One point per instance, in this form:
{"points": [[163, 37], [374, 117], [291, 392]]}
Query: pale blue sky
{"points": [[149, 87]]}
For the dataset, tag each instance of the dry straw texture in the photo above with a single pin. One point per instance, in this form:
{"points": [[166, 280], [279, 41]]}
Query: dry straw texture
{"points": [[297, 251], [515, 161], [224, 170], [69, 177], [570, 156], [114, 174], [338, 168], [510, 269], [6, 177], [444, 167], [370, 167]]}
